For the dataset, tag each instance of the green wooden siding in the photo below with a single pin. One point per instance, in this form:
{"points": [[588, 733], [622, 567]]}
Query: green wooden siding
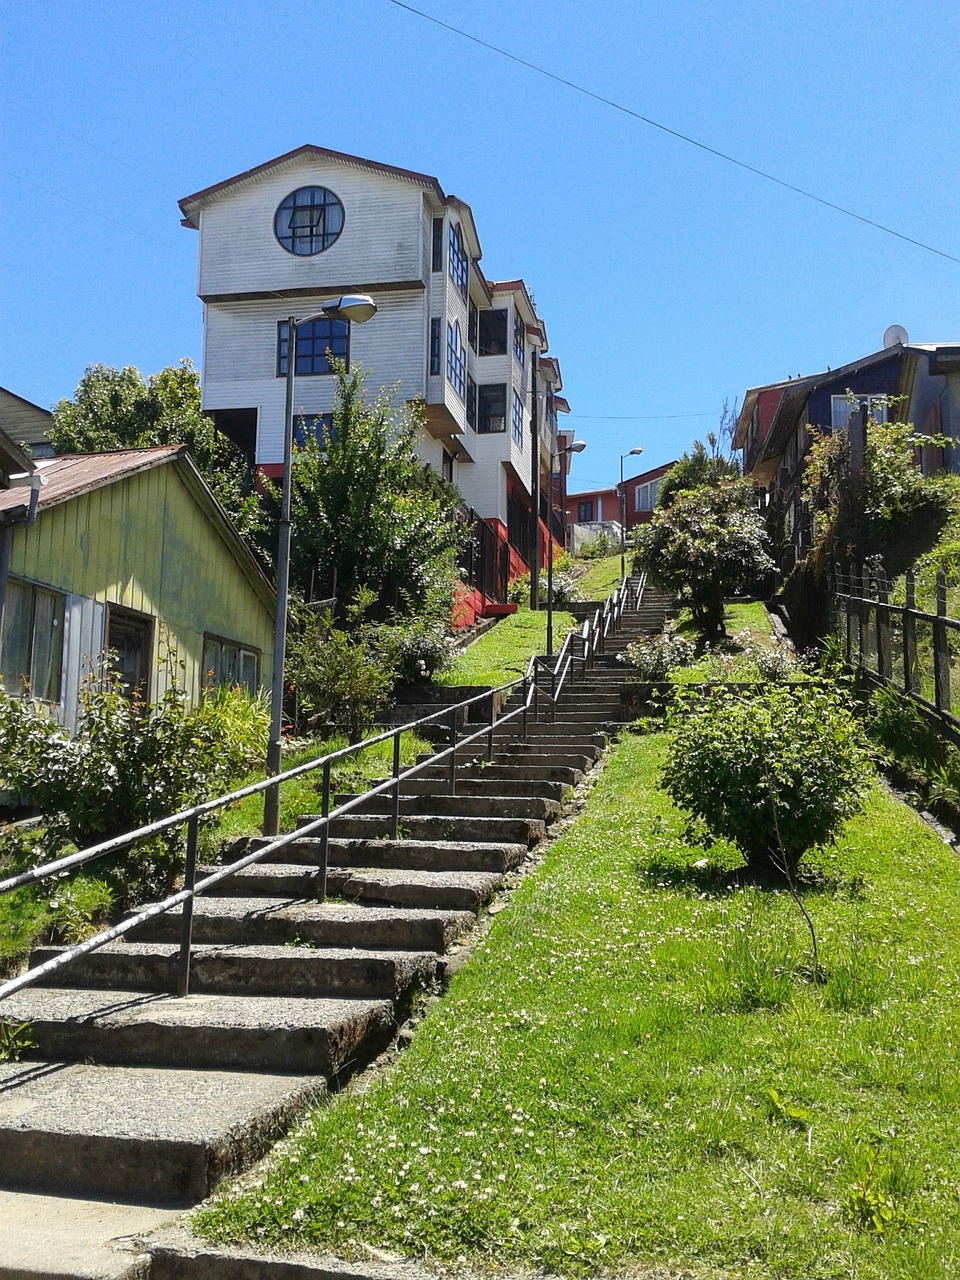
{"points": [[145, 544]]}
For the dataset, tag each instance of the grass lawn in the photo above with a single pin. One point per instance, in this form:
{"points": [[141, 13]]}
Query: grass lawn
{"points": [[502, 653], [738, 616], [600, 577], [634, 1068]]}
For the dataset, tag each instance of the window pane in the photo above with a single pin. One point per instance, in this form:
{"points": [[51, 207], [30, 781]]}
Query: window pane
{"points": [[47, 646], [211, 661], [248, 670], [15, 651]]}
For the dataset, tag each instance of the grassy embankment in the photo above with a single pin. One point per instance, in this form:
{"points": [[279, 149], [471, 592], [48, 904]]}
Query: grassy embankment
{"points": [[635, 1068]]}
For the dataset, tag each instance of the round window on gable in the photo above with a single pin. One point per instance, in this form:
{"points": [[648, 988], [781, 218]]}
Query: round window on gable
{"points": [[308, 221]]}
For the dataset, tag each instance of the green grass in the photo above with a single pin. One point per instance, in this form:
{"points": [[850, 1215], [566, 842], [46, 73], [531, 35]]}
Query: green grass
{"points": [[600, 577], [738, 616], [64, 911], [635, 1068], [502, 653]]}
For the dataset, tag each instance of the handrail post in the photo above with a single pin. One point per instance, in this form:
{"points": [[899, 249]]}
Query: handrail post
{"points": [[553, 695], [321, 887], [492, 722], [526, 703], [395, 818], [911, 680], [186, 919], [941, 651], [452, 778]]}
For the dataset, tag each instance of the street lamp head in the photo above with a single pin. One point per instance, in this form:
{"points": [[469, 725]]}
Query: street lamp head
{"points": [[578, 446], [356, 307]]}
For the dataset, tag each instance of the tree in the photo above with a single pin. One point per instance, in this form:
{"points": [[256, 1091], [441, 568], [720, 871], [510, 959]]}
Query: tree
{"points": [[697, 468], [367, 513], [707, 545], [119, 409]]}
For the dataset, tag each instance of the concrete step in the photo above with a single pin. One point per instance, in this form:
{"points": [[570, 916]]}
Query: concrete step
{"points": [[409, 855], [279, 922], [545, 731], [144, 1135], [482, 783], [385, 886], [47, 1237], [437, 803], [527, 831], [307, 1035], [532, 756], [329, 972], [504, 774]]}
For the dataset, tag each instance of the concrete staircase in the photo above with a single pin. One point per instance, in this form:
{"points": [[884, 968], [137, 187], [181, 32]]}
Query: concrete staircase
{"points": [[130, 1095]]}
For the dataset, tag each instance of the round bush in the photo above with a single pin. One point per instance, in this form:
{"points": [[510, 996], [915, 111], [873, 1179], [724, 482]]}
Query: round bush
{"points": [[777, 773]]}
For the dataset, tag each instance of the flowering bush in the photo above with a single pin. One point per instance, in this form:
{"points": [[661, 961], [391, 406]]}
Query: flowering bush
{"points": [[655, 658]]}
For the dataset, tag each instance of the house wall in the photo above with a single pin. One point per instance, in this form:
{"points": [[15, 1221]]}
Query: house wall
{"points": [[875, 380], [144, 544]]}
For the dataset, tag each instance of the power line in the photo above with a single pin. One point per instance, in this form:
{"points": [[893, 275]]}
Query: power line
{"points": [[644, 417], [97, 213], [673, 133]]}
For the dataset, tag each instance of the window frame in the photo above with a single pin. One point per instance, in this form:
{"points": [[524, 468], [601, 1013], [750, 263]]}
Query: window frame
{"points": [[436, 259], [519, 338], [585, 512], [242, 651], [484, 404], [516, 417], [308, 350], [873, 401], [484, 339], [53, 688], [650, 487], [458, 260], [290, 205], [435, 348], [456, 359]]}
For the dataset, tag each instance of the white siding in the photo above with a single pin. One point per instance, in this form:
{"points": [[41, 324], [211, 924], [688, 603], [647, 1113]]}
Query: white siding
{"points": [[380, 241]]}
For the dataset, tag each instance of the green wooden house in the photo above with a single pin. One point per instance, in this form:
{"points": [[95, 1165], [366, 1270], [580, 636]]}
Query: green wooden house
{"points": [[127, 551]]}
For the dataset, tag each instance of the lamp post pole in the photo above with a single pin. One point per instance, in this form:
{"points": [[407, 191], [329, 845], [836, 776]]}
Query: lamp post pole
{"points": [[623, 513], [578, 446], [357, 308]]}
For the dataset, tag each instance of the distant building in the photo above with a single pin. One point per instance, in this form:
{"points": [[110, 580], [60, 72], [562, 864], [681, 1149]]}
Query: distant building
{"points": [[905, 382], [608, 507], [25, 424], [313, 224]]}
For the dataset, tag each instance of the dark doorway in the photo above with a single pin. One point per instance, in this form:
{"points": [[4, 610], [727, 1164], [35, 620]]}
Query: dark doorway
{"points": [[130, 636]]}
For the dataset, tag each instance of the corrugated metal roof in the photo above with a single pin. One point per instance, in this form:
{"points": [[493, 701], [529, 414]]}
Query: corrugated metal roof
{"points": [[77, 473]]}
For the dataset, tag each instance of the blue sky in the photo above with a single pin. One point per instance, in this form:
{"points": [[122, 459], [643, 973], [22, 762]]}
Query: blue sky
{"points": [[669, 279]]}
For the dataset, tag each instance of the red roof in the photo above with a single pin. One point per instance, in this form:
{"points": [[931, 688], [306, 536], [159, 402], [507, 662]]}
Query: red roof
{"points": [[77, 473]]}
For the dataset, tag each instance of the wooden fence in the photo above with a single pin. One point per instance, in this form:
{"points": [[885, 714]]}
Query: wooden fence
{"points": [[899, 644]]}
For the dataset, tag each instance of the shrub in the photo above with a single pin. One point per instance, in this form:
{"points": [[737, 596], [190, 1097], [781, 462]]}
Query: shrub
{"points": [[566, 588], [416, 650], [777, 774], [597, 549], [126, 765], [656, 657], [518, 592]]}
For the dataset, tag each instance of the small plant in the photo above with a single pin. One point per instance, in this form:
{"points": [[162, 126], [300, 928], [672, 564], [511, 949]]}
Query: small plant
{"points": [[656, 657], [788, 1113], [518, 592], [875, 1201], [78, 908], [777, 773], [15, 1039], [755, 971], [416, 649]]}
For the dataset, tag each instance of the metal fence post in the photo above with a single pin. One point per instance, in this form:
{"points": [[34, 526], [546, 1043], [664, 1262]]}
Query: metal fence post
{"points": [[324, 832], [911, 674], [492, 722], [395, 817], [883, 630], [941, 651], [452, 779], [186, 919]]}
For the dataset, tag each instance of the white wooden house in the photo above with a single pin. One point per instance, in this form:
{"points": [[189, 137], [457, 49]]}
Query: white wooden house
{"points": [[283, 237]]}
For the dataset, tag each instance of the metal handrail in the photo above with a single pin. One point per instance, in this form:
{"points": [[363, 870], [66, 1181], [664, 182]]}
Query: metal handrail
{"points": [[531, 691]]}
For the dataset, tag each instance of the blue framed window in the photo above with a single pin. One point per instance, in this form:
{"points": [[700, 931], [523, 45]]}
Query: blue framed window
{"points": [[437, 254], [435, 347], [519, 337], [308, 221], [471, 403], [456, 359], [458, 264], [316, 341], [318, 426], [517, 418]]}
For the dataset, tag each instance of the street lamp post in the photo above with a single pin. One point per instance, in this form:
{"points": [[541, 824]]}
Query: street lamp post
{"points": [[631, 453], [357, 308], [578, 446]]}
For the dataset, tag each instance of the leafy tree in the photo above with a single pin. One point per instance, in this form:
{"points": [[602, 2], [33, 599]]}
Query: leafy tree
{"points": [[707, 545], [119, 409], [703, 465], [367, 511]]}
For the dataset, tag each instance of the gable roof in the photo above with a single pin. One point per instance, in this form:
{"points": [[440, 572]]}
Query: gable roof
{"points": [[74, 474]]}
